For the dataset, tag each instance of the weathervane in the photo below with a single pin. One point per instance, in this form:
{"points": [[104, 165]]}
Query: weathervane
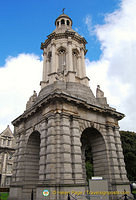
{"points": [[63, 10]]}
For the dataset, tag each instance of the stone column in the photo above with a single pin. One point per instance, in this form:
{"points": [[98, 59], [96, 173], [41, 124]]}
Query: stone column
{"points": [[120, 155], [3, 177], [57, 62], [107, 156], [20, 160], [77, 165], [66, 168], [79, 73], [48, 68], [53, 61], [43, 145], [45, 70], [58, 147], [51, 151], [15, 155], [70, 62], [83, 63], [114, 165], [83, 162]]}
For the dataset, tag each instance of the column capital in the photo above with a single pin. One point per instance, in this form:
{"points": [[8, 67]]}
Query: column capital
{"points": [[109, 126], [69, 41], [79, 56], [53, 42], [116, 128], [44, 53]]}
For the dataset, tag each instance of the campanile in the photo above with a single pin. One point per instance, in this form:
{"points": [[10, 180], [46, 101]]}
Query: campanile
{"points": [[62, 122]]}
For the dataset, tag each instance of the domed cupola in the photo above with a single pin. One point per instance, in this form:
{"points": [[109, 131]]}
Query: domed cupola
{"points": [[63, 22]]}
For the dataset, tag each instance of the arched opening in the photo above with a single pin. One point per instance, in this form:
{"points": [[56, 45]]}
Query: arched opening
{"points": [[75, 58], [49, 60], [62, 59], [32, 157], [68, 22], [57, 23], [62, 21], [93, 154]]}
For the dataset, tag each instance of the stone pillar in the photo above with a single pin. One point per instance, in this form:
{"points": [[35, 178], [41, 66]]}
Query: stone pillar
{"points": [[45, 66], [58, 147], [70, 62], [53, 61], [66, 168], [15, 155], [83, 162], [51, 151], [57, 62], [120, 155], [108, 175], [77, 167], [3, 177], [43, 154], [79, 72], [48, 67], [20, 160], [83, 63], [114, 165], [18, 171]]}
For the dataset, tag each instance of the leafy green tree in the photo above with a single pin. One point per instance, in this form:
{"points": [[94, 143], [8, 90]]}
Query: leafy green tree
{"points": [[89, 163], [89, 169], [129, 149]]}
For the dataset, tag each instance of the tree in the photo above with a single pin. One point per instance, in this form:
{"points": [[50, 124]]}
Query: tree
{"points": [[128, 140], [89, 163]]}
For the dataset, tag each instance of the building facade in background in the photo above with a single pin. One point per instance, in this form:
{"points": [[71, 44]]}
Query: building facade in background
{"points": [[7, 149]]}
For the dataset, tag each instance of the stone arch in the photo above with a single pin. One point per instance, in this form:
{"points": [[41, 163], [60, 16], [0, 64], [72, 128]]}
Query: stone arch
{"points": [[61, 48], [92, 138], [62, 22], [31, 165], [88, 124]]}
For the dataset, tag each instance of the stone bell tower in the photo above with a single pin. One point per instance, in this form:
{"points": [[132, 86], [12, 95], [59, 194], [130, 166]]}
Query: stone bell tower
{"points": [[64, 52], [61, 122]]}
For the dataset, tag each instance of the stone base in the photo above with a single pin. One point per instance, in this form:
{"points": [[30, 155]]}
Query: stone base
{"points": [[60, 192], [15, 193], [56, 192], [100, 188], [122, 189]]}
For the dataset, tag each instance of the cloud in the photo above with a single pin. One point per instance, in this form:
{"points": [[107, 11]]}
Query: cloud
{"points": [[18, 78], [116, 69], [88, 22]]}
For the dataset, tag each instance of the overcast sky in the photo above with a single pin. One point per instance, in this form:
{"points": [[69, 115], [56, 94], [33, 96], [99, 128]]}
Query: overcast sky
{"points": [[110, 30]]}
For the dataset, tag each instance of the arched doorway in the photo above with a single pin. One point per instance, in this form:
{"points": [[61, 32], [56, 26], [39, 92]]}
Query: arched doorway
{"points": [[94, 152], [32, 157]]}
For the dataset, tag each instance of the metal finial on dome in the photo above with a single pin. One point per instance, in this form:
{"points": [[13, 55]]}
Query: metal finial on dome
{"points": [[63, 10]]}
